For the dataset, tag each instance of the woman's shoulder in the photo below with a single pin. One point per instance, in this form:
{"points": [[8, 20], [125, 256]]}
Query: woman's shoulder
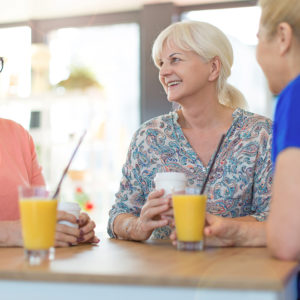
{"points": [[251, 121], [157, 123], [8, 127]]}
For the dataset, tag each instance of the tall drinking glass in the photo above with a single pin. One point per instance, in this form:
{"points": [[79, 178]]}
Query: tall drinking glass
{"points": [[38, 219], [189, 213]]}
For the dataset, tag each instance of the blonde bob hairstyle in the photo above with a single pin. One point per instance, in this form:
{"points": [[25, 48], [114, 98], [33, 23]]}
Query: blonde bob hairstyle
{"points": [[275, 12], [208, 42]]}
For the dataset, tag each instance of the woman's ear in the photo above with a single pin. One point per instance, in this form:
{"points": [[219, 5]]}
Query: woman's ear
{"points": [[215, 68], [284, 37]]}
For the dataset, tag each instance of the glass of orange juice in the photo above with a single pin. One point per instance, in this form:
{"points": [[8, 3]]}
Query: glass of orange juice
{"points": [[189, 213], [38, 220]]}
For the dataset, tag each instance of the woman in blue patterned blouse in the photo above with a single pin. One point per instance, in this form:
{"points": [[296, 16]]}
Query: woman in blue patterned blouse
{"points": [[194, 61]]}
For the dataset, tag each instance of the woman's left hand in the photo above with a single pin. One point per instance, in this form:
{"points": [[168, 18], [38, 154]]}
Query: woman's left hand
{"points": [[87, 230]]}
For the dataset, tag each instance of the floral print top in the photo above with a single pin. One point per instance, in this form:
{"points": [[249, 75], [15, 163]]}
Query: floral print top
{"points": [[240, 181]]}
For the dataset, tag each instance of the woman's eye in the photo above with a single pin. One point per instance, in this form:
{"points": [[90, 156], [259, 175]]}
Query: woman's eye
{"points": [[175, 59]]}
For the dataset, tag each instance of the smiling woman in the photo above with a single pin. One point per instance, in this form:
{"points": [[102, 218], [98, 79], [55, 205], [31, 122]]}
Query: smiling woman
{"points": [[204, 44], [194, 61]]}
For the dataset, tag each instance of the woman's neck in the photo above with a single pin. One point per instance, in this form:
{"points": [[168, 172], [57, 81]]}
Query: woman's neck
{"points": [[293, 63], [205, 117]]}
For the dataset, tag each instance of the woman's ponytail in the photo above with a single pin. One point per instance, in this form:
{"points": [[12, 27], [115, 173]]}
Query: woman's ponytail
{"points": [[232, 97]]}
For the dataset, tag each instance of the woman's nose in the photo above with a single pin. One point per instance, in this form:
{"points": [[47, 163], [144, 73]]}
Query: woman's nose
{"points": [[164, 70]]}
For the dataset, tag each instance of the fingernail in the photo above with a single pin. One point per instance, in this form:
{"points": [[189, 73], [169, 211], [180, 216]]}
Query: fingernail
{"points": [[70, 244], [80, 239], [81, 233]]}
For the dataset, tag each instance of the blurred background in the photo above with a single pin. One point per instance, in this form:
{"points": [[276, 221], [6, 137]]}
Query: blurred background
{"points": [[72, 65]]}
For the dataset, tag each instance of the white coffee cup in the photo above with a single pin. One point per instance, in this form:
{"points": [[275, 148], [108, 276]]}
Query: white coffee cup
{"points": [[170, 181], [71, 208]]}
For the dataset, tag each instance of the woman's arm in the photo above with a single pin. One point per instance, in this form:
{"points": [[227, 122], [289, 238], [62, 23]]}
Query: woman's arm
{"points": [[221, 231], [283, 228], [229, 232], [130, 227], [10, 234]]}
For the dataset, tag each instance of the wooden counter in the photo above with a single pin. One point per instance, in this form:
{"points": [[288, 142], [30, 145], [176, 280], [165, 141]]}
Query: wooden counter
{"points": [[118, 264]]}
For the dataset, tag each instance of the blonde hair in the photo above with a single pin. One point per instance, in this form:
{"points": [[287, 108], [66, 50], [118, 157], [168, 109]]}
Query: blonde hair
{"points": [[208, 42], [276, 11]]}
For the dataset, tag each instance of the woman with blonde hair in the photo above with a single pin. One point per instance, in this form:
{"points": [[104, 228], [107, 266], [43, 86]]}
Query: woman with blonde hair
{"points": [[194, 61], [278, 53]]}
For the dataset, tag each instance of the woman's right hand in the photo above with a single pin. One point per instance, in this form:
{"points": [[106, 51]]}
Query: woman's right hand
{"points": [[65, 235], [150, 217]]}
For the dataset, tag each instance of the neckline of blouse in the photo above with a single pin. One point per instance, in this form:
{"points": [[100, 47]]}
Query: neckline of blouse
{"points": [[236, 116]]}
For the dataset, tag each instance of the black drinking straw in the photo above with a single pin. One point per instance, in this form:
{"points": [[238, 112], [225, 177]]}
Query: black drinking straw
{"points": [[212, 164], [68, 166]]}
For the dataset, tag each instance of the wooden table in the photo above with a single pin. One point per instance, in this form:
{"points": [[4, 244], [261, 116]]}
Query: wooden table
{"points": [[153, 270]]}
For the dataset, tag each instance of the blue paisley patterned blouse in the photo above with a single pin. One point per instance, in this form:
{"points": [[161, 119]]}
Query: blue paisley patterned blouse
{"points": [[239, 184]]}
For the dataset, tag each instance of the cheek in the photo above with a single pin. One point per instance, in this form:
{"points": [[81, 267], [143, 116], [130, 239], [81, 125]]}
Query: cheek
{"points": [[162, 81]]}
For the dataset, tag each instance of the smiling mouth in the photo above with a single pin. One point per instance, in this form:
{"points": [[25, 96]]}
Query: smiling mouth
{"points": [[173, 83]]}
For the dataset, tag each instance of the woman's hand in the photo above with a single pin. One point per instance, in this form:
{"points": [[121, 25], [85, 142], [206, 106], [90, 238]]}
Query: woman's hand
{"points": [[68, 236], [221, 232], [11, 234], [150, 217], [238, 232], [87, 230], [218, 231]]}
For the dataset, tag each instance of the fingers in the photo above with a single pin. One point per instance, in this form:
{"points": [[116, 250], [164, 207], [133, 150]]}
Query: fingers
{"points": [[69, 236], [156, 194], [87, 232], [94, 240], [151, 225], [155, 202], [173, 237], [212, 225], [83, 219], [64, 216], [150, 217], [169, 213], [66, 236]]}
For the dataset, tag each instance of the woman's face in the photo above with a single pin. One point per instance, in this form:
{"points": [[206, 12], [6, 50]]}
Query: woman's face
{"points": [[268, 59], [183, 74]]}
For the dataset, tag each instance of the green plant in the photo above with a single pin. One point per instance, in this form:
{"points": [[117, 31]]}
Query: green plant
{"points": [[80, 78]]}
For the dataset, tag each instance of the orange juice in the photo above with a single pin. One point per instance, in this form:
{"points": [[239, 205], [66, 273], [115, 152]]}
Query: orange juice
{"points": [[38, 218], [189, 213]]}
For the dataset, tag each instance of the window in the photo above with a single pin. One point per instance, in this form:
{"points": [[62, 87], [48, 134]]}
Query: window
{"points": [[110, 112], [37, 92], [16, 51]]}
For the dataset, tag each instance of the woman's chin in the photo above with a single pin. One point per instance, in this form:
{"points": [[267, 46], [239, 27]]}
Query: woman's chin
{"points": [[173, 99]]}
